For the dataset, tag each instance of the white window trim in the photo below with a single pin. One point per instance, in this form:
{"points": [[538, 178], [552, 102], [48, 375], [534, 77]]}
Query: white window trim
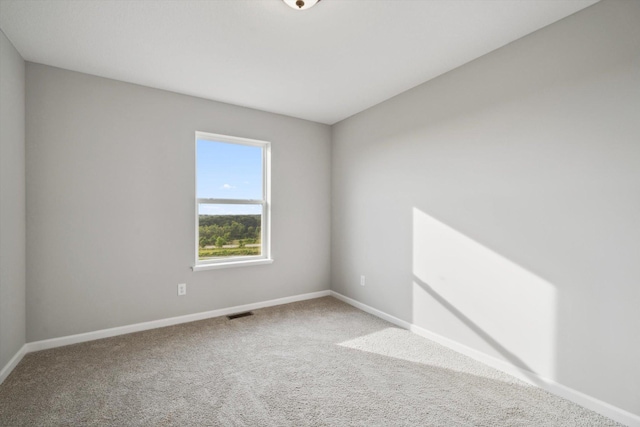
{"points": [[265, 227]]}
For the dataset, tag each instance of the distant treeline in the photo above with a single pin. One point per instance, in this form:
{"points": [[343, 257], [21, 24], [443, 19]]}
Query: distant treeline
{"points": [[220, 230]]}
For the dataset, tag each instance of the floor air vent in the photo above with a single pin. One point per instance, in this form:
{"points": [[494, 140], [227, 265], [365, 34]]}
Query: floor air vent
{"points": [[238, 315]]}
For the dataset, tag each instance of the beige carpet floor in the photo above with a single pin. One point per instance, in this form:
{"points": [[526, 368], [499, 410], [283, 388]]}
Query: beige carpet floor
{"points": [[313, 363]]}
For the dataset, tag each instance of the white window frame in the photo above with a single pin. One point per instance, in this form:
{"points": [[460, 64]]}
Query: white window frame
{"points": [[265, 202]]}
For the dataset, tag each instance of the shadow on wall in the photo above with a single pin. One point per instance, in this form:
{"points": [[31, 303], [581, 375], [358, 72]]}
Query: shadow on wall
{"points": [[472, 295]]}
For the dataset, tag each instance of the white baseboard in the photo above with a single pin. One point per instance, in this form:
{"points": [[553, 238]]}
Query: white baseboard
{"points": [[138, 327], [381, 314], [6, 370], [613, 412]]}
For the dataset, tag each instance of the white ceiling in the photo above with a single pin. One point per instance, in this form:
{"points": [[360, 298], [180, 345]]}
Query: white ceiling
{"points": [[323, 64]]}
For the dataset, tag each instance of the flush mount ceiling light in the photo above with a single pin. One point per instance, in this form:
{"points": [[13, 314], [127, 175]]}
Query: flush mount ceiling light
{"points": [[301, 4]]}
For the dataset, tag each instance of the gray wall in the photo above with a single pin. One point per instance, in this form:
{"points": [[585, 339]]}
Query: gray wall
{"points": [[498, 204], [12, 201], [110, 204]]}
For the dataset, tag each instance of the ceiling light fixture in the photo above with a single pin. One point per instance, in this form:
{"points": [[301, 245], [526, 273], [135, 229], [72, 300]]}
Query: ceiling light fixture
{"points": [[301, 4]]}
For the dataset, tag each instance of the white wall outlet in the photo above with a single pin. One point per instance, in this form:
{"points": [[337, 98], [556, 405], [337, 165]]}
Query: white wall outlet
{"points": [[182, 289], [361, 280]]}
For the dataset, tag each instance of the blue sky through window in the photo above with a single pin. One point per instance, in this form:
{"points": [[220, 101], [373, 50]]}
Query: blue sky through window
{"points": [[228, 171]]}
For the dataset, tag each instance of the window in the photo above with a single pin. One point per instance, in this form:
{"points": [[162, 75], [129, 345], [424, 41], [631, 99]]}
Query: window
{"points": [[232, 201]]}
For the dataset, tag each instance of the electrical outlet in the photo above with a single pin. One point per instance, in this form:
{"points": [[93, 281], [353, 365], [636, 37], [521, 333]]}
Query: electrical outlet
{"points": [[182, 289], [361, 280]]}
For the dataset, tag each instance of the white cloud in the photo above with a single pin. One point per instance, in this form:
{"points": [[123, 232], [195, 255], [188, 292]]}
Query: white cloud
{"points": [[228, 187]]}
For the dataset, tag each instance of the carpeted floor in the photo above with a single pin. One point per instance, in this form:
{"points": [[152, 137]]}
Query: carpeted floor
{"points": [[312, 363]]}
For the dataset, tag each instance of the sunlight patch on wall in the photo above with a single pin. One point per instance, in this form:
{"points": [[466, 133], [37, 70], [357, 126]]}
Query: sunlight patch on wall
{"points": [[472, 295]]}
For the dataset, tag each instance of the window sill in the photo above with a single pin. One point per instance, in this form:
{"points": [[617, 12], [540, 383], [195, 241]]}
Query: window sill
{"points": [[231, 264]]}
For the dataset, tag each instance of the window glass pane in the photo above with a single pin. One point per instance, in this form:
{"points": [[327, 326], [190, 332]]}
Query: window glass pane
{"points": [[228, 231], [228, 171]]}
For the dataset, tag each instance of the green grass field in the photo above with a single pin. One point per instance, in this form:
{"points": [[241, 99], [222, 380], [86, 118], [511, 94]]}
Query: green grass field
{"points": [[225, 252]]}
